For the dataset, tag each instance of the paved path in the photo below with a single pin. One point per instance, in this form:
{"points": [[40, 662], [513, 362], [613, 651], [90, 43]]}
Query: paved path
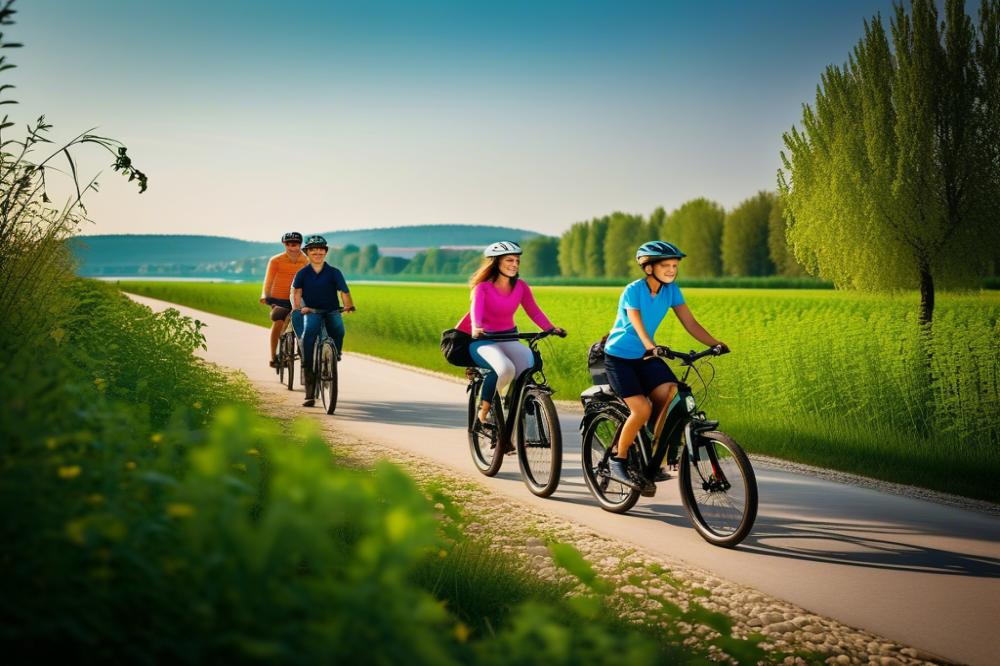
{"points": [[915, 572]]}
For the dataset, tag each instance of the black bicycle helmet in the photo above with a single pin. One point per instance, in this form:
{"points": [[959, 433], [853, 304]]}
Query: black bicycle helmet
{"points": [[291, 237], [315, 241]]}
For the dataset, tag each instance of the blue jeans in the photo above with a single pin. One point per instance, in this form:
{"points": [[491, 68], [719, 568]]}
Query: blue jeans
{"points": [[312, 321]]}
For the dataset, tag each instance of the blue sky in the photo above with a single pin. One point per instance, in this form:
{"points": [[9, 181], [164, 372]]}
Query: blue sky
{"points": [[251, 118]]}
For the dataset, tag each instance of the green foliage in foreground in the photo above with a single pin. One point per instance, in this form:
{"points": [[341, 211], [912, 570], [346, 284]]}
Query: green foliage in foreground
{"points": [[826, 378]]}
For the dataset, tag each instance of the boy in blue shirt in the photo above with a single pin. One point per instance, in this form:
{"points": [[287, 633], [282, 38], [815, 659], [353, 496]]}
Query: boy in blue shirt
{"points": [[643, 381], [315, 291]]}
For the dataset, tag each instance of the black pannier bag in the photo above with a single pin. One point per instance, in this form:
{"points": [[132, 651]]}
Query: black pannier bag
{"points": [[596, 362], [455, 347]]}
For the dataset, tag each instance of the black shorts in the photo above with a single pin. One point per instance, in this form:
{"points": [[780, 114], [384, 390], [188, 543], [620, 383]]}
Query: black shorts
{"points": [[635, 376], [279, 308]]}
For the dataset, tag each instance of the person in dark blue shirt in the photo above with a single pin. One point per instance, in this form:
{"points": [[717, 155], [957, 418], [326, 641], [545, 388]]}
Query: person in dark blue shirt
{"points": [[316, 293]]}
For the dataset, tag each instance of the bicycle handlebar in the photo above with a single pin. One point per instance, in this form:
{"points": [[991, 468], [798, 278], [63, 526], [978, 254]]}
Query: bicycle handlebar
{"points": [[532, 338], [689, 357], [322, 312]]}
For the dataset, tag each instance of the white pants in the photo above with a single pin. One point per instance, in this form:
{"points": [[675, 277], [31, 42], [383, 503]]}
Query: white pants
{"points": [[508, 360]]}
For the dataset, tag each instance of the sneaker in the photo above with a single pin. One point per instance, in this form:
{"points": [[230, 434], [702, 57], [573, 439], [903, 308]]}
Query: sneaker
{"points": [[618, 471], [274, 362], [309, 403], [662, 475]]}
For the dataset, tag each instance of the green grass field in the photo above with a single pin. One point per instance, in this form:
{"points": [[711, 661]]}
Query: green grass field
{"points": [[835, 379]]}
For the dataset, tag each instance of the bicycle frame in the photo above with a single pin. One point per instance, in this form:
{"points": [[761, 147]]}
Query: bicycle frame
{"points": [[521, 384], [676, 421]]}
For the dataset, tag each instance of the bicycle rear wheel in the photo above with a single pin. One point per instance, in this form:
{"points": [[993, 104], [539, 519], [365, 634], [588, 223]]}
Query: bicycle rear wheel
{"points": [[595, 455], [539, 444], [485, 439], [328, 375], [286, 360], [719, 490]]}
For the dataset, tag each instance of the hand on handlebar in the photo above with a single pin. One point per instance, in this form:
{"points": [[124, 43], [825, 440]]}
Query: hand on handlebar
{"points": [[659, 351], [720, 349], [561, 332]]}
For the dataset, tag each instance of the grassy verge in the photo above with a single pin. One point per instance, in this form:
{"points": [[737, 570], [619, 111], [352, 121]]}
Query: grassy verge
{"points": [[844, 381]]}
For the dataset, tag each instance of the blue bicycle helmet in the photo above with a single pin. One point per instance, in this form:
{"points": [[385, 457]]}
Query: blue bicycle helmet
{"points": [[656, 250]]}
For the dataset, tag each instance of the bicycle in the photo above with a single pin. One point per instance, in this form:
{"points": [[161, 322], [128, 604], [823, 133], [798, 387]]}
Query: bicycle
{"points": [[528, 406], [288, 353], [326, 356], [717, 482]]}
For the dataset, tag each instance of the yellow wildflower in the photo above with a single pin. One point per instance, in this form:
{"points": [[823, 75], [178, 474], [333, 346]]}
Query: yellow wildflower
{"points": [[461, 632], [69, 471], [156, 438], [180, 510], [130, 465]]}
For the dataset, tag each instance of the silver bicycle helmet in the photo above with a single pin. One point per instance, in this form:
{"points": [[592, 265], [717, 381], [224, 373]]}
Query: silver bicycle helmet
{"points": [[501, 248]]}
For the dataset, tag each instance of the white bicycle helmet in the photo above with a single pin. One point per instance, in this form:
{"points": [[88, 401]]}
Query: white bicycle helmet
{"points": [[501, 248]]}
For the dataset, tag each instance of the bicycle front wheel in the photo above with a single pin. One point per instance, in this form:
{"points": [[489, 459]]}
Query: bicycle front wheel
{"points": [[486, 439], [719, 489], [539, 444], [328, 375], [595, 455]]}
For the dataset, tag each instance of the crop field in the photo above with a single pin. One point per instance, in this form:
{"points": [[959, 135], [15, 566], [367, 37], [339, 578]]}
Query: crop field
{"points": [[841, 380]]}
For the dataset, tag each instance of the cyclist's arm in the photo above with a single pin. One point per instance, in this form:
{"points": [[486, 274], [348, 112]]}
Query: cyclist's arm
{"points": [[691, 325], [296, 299], [348, 301], [532, 310], [272, 270], [636, 318]]}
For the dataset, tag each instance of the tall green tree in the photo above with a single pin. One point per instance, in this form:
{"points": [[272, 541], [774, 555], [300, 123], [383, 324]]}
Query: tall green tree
{"points": [[594, 247], [894, 179], [367, 258], [623, 237], [777, 244], [654, 225], [566, 254], [541, 257], [581, 232], [696, 228], [744, 237]]}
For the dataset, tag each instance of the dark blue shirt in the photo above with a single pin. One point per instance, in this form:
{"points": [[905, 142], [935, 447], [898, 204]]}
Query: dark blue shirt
{"points": [[319, 290]]}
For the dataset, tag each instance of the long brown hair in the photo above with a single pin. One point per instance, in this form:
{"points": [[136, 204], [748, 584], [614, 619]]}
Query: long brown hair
{"points": [[490, 270]]}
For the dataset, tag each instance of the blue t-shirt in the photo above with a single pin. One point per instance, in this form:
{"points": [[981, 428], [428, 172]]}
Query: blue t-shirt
{"points": [[623, 341], [319, 290]]}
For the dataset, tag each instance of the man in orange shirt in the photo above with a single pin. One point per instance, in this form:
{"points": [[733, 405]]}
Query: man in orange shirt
{"points": [[278, 285]]}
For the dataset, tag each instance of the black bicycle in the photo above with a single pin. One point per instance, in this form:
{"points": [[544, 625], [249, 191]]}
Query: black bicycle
{"points": [[326, 356], [528, 406], [717, 482], [288, 354]]}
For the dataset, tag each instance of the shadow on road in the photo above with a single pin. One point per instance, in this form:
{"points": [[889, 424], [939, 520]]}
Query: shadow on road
{"points": [[869, 545], [414, 413]]}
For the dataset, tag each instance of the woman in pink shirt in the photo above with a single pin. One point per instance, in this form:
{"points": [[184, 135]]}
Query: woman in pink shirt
{"points": [[497, 292]]}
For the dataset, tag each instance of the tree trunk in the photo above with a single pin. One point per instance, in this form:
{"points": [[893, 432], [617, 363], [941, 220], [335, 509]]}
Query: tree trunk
{"points": [[926, 295]]}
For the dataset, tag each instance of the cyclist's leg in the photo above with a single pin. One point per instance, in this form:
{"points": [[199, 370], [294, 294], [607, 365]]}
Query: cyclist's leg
{"points": [[520, 355], [298, 325], [310, 329], [278, 314], [334, 323], [486, 355], [623, 376]]}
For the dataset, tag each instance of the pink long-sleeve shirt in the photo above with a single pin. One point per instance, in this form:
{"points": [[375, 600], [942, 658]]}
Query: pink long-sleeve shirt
{"points": [[493, 311]]}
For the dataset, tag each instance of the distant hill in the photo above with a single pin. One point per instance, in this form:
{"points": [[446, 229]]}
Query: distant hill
{"points": [[167, 254]]}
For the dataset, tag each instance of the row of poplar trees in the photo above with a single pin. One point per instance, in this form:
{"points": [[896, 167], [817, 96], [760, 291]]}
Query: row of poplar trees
{"points": [[746, 241]]}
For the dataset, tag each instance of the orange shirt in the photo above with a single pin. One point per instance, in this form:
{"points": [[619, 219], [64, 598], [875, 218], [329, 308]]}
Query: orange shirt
{"points": [[280, 272]]}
